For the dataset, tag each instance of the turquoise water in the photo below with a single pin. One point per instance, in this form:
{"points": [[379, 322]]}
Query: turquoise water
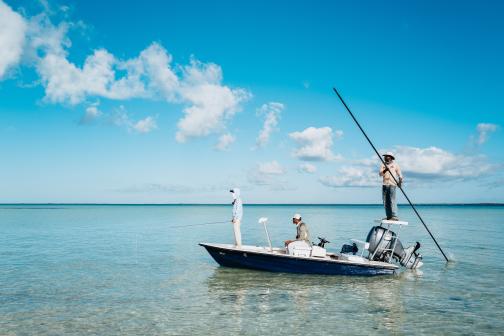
{"points": [[125, 270]]}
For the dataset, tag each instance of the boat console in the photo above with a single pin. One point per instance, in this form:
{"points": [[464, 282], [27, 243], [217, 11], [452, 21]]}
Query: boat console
{"points": [[300, 248]]}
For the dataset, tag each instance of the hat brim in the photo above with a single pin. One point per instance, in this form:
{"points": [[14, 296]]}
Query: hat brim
{"points": [[392, 156]]}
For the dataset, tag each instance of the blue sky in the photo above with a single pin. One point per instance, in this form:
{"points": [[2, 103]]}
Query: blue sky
{"points": [[176, 102]]}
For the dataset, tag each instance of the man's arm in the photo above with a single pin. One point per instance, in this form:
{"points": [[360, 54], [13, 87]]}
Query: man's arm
{"points": [[399, 174], [382, 170]]}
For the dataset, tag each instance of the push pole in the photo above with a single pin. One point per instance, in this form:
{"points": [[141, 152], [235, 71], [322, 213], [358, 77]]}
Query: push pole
{"points": [[395, 180]]}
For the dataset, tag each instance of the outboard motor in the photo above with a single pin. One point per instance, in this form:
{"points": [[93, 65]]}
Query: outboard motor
{"points": [[381, 242], [347, 249]]}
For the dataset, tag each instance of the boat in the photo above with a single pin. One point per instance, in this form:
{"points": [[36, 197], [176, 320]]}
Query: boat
{"points": [[372, 257]]}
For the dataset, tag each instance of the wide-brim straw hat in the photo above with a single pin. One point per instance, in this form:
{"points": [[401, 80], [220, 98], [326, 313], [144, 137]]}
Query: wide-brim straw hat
{"points": [[389, 154]]}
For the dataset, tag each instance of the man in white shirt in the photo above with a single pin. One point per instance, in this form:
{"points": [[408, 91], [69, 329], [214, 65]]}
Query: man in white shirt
{"points": [[237, 215]]}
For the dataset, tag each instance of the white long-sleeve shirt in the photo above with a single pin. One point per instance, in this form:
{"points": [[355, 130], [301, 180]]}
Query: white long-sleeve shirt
{"points": [[237, 209]]}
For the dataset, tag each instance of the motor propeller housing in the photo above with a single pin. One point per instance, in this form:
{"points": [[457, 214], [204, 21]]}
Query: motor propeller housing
{"points": [[381, 241]]}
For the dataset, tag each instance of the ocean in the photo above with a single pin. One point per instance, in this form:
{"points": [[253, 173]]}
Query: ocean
{"points": [[138, 270]]}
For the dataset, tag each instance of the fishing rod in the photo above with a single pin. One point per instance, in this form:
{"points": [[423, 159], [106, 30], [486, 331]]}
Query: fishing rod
{"points": [[199, 224], [395, 180]]}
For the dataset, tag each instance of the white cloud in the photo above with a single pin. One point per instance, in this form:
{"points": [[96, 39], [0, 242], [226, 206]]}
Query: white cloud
{"points": [[92, 113], [307, 168], [64, 82], [434, 162], [145, 125], [44, 38], [484, 131], [314, 144], [271, 168], [155, 62], [418, 165], [352, 176], [225, 140], [121, 118], [271, 111], [268, 174], [12, 37], [209, 104]]}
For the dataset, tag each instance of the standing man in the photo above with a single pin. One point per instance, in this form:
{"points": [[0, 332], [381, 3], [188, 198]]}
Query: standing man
{"points": [[237, 215], [390, 185]]}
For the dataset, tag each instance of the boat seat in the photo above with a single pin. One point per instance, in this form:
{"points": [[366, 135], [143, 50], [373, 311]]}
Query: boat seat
{"points": [[362, 245], [299, 248]]}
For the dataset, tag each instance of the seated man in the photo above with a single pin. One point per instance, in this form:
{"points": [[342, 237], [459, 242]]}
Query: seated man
{"points": [[301, 230]]}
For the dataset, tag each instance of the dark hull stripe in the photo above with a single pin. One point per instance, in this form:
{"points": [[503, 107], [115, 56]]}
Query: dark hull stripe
{"points": [[274, 263]]}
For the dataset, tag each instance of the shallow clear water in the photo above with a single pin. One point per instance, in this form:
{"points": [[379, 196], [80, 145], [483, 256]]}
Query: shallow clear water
{"points": [[124, 270]]}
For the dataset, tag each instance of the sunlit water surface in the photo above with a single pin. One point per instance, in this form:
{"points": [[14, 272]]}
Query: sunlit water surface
{"points": [[125, 270]]}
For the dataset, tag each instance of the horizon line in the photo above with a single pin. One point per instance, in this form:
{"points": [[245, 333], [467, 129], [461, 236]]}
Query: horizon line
{"points": [[255, 204]]}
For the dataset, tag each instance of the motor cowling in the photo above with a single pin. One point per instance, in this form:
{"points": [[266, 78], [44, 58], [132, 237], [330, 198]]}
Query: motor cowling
{"points": [[381, 242]]}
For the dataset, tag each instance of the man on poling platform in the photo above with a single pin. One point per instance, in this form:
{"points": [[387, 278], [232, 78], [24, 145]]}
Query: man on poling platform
{"points": [[389, 185]]}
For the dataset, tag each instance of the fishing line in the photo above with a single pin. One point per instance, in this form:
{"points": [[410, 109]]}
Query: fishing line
{"points": [[200, 224]]}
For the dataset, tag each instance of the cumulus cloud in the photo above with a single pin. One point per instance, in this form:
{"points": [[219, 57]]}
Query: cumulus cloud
{"points": [[121, 118], [267, 173], [349, 176], [418, 165], [271, 168], [225, 140], [66, 83], [271, 112], [307, 168], [207, 103], [484, 130], [12, 37], [145, 125], [155, 63], [314, 144], [434, 162], [211, 103], [92, 113]]}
